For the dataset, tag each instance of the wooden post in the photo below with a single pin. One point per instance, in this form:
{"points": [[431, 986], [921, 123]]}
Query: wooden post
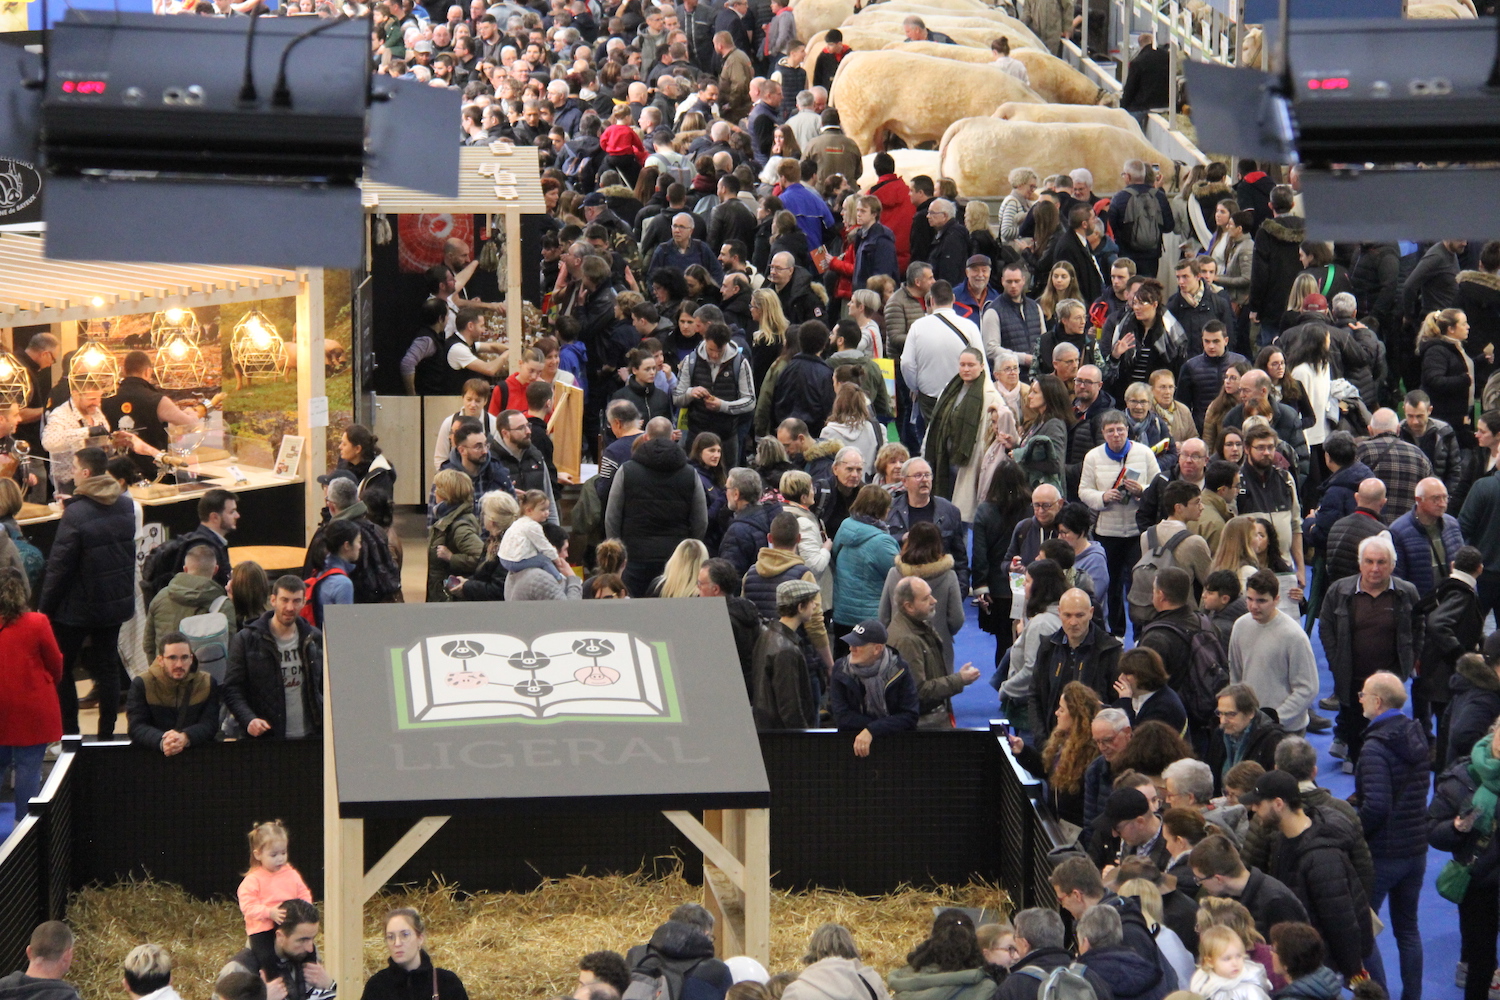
{"points": [[514, 327], [757, 858], [310, 386], [736, 876], [343, 863]]}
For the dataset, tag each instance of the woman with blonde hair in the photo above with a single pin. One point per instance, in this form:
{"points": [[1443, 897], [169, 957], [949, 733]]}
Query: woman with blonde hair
{"points": [[1068, 752], [768, 342], [1023, 185], [1173, 948], [680, 576], [1302, 286], [888, 462], [1062, 284], [1237, 548], [1448, 371], [981, 240], [816, 550], [498, 511], [454, 546]]}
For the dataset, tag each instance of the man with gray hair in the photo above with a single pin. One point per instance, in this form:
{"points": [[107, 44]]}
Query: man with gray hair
{"points": [[1367, 626], [928, 653], [682, 251], [1064, 358], [950, 242], [1139, 214], [806, 122], [1101, 950], [1397, 463], [376, 577], [1039, 941], [1368, 354], [1111, 731], [751, 526], [42, 352], [1299, 758]]}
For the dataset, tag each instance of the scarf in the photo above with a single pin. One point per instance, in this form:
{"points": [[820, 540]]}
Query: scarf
{"points": [[1118, 456], [164, 692], [1485, 770], [874, 679], [954, 431]]}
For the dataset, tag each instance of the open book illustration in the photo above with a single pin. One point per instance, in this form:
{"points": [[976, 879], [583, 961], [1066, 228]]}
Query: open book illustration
{"points": [[493, 677]]}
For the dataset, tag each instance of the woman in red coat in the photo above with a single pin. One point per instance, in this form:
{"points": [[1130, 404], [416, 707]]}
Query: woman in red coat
{"points": [[30, 667], [896, 209]]}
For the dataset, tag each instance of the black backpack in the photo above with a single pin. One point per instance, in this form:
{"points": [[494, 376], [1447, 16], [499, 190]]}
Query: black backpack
{"points": [[1207, 670], [1143, 221], [161, 564]]}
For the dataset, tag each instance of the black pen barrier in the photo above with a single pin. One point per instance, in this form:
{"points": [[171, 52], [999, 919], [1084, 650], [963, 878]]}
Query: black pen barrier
{"points": [[924, 809]]}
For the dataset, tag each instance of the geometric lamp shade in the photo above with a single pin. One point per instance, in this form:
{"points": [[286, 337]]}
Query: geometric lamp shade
{"points": [[257, 349], [94, 370], [174, 322], [179, 363], [15, 381]]}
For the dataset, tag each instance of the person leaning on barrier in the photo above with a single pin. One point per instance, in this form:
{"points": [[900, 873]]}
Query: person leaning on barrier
{"points": [[173, 706], [148, 973], [48, 957]]}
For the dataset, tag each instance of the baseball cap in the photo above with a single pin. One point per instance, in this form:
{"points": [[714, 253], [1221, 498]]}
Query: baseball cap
{"points": [[1125, 804], [329, 477], [796, 591], [868, 631], [1314, 302], [1274, 785], [593, 199], [978, 260]]}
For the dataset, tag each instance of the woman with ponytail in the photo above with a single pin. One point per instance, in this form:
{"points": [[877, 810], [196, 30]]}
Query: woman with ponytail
{"points": [[1448, 371]]}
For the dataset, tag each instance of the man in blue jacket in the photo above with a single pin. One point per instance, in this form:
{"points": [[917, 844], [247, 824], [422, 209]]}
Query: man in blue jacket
{"points": [[873, 691], [1427, 538]]}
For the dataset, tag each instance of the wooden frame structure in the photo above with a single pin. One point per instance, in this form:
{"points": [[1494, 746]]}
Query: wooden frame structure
{"points": [[63, 294], [736, 846]]}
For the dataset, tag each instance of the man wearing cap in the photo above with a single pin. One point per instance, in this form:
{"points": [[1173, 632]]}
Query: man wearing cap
{"points": [[912, 635], [1314, 863], [1128, 816], [781, 681], [873, 691], [682, 251], [972, 297]]}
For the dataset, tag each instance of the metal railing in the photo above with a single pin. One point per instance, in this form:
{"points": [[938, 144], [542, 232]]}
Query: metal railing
{"points": [[1029, 832], [36, 862]]}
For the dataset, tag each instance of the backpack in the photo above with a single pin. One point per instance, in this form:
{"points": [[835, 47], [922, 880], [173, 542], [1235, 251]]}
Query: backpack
{"points": [[32, 559], [310, 610], [162, 563], [1158, 557], [1207, 671], [208, 637], [1066, 982], [1143, 219], [656, 979]]}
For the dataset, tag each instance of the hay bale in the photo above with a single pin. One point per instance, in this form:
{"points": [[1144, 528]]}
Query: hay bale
{"points": [[513, 945]]}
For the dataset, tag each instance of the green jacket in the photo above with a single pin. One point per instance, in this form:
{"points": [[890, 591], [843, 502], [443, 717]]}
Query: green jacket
{"points": [[929, 984], [185, 596], [458, 530]]}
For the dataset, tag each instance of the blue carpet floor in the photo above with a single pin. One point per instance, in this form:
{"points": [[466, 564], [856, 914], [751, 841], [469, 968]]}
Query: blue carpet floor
{"points": [[1438, 918]]}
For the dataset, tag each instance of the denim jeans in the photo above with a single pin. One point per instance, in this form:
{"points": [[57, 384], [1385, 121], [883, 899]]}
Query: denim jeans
{"points": [[28, 761], [1401, 879]]}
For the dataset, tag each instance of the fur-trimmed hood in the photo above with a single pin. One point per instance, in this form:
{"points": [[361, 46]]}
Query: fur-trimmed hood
{"points": [[1481, 278], [925, 570], [1286, 228], [1478, 674], [1206, 189], [821, 450]]}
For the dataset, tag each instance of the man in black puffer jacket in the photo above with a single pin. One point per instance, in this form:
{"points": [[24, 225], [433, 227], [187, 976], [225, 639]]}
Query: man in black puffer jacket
{"points": [[804, 387], [682, 953], [747, 533], [1391, 778], [1276, 264], [90, 585], [1202, 376], [256, 683], [655, 502], [1314, 863], [1376, 276]]}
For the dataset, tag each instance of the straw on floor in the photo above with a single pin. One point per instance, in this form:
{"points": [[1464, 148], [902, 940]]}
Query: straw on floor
{"points": [[504, 945]]}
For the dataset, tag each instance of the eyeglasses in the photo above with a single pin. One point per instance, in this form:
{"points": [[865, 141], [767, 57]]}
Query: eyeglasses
{"points": [[919, 475], [1087, 381], [1046, 506], [1226, 715]]}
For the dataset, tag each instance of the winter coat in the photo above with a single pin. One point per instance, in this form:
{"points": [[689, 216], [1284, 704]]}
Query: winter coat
{"points": [[875, 253], [459, 531], [648, 399], [396, 983], [1098, 668], [1338, 502], [1250, 985], [185, 596], [993, 532], [150, 722], [846, 701], [1166, 335], [1234, 276], [1364, 359], [1454, 797], [1265, 736], [949, 522], [1260, 844], [781, 692], [1130, 976], [930, 984], [1324, 984], [1270, 902], [377, 575], [1342, 548], [1376, 276], [901, 311], [684, 956], [923, 650], [950, 248], [1335, 628], [948, 617], [1275, 266], [1479, 297], [1210, 306], [895, 214], [20, 986], [1473, 706], [91, 572], [1316, 867], [863, 553], [30, 667], [1432, 284], [835, 978], [1391, 779], [1414, 549], [253, 687], [1116, 519], [656, 501], [1447, 379], [746, 534], [1026, 986], [1440, 445], [1201, 380], [804, 389]]}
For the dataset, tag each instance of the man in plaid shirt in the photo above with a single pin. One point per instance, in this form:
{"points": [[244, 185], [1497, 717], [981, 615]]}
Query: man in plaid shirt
{"points": [[1401, 465]]}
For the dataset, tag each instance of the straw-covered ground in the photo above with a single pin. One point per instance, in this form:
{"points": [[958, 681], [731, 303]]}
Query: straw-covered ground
{"points": [[507, 946]]}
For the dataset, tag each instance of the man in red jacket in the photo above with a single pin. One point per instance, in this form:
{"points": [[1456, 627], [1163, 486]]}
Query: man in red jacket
{"points": [[896, 209]]}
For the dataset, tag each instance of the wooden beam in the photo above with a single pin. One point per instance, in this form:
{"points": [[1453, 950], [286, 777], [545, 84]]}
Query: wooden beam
{"points": [[401, 852], [513, 302], [712, 849], [729, 915], [757, 885], [310, 386], [343, 871]]}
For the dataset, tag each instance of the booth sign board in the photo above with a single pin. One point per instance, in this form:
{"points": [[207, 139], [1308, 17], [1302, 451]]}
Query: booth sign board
{"points": [[481, 706]]}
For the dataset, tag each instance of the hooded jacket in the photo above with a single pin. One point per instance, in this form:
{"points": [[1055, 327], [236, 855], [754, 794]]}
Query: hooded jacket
{"points": [[1453, 797], [1324, 984], [253, 687], [948, 617], [1259, 845], [863, 552], [1130, 976], [20, 986], [185, 596], [91, 572], [835, 978], [930, 984], [1315, 865], [798, 300], [684, 956], [156, 704], [804, 389], [1275, 266], [1338, 502], [1479, 297], [1391, 779], [1440, 444], [656, 501], [1027, 987], [1253, 191], [1475, 702], [1455, 625]]}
